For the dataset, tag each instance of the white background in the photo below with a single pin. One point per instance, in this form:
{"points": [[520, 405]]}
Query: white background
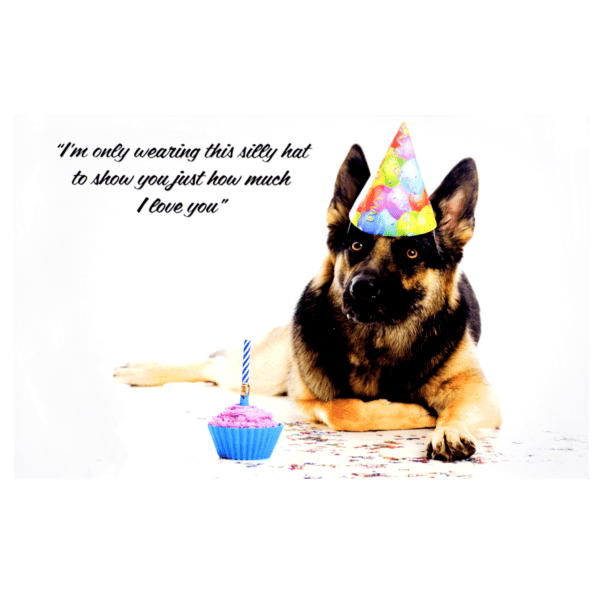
{"points": [[99, 284]]}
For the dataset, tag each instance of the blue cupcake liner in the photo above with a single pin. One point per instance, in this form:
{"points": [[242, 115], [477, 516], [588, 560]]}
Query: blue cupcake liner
{"points": [[245, 443]]}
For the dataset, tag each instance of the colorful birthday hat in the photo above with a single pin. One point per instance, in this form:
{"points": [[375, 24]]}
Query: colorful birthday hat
{"points": [[395, 202]]}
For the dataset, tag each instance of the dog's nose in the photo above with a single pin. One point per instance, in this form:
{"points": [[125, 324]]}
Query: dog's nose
{"points": [[363, 288]]}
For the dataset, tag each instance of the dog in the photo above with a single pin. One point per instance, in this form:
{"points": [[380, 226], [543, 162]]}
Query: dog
{"points": [[383, 337]]}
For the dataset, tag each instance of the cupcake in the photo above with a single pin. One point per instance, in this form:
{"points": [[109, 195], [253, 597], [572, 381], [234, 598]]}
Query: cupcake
{"points": [[244, 432]]}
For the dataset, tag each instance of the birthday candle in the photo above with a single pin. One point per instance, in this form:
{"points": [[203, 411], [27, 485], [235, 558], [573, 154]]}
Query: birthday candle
{"points": [[245, 374], [246, 362]]}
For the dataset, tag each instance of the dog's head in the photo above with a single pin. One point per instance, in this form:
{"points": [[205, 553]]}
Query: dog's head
{"points": [[387, 280]]}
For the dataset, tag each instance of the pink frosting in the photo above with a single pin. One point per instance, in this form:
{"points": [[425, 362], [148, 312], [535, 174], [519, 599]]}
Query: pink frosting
{"points": [[243, 416]]}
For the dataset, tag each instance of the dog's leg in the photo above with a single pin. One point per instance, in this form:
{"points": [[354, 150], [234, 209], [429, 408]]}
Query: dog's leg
{"points": [[155, 374], [351, 414], [467, 404], [464, 401], [269, 367]]}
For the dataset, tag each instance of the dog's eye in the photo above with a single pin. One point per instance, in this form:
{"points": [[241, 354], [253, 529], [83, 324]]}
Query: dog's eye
{"points": [[412, 253], [356, 246]]}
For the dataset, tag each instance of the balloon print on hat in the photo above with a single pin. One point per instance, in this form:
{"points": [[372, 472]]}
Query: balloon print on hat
{"points": [[395, 203]]}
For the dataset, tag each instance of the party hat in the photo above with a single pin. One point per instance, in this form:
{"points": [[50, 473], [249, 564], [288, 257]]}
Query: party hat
{"points": [[394, 203]]}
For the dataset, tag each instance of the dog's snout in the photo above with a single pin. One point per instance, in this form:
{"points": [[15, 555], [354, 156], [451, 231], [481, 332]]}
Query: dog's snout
{"points": [[363, 288]]}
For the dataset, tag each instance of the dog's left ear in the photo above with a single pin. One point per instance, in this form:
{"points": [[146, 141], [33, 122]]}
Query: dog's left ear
{"points": [[352, 176], [454, 204]]}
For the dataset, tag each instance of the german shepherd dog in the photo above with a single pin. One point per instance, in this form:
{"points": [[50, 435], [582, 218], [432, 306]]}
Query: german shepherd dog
{"points": [[384, 337]]}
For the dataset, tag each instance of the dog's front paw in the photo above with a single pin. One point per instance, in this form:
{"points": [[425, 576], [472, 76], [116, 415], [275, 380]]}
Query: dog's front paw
{"points": [[144, 374], [450, 444]]}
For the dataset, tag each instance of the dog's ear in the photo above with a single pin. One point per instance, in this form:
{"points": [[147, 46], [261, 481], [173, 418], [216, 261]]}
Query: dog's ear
{"points": [[352, 176], [454, 204]]}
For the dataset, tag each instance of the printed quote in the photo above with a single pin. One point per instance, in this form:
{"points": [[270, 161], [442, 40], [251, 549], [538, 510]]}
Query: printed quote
{"points": [[209, 178]]}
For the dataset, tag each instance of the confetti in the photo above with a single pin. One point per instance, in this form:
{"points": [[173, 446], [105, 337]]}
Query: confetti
{"points": [[311, 451]]}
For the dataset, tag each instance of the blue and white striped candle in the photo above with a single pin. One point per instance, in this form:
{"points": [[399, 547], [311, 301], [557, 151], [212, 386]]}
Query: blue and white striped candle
{"points": [[246, 362], [245, 374]]}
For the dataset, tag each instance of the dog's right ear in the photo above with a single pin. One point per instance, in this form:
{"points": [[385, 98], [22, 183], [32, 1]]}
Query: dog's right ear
{"points": [[352, 176]]}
